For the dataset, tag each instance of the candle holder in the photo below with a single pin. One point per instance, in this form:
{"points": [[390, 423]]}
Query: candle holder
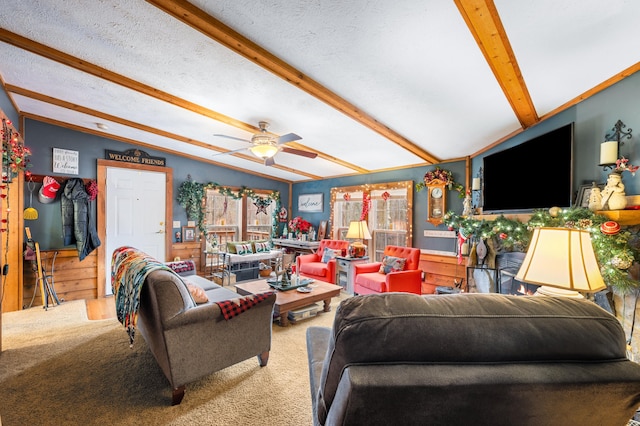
{"points": [[610, 148]]}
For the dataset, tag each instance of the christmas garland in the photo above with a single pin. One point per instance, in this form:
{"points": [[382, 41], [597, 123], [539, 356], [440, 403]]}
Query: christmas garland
{"points": [[442, 175], [616, 251], [194, 209]]}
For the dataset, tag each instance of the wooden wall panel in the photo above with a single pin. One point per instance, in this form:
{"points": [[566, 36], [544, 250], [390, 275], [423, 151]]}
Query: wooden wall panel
{"points": [[72, 279]]}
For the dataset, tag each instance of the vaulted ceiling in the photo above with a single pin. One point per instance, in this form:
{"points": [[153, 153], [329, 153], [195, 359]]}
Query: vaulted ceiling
{"points": [[368, 85]]}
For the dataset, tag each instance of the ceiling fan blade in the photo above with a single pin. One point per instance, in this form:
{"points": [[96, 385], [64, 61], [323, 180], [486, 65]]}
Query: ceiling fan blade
{"points": [[269, 161], [231, 137], [299, 152], [289, 137], [229, 152]]}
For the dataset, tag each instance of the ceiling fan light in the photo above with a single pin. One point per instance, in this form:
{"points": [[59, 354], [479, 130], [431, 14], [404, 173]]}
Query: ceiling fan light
{"points": [[264, 151]]}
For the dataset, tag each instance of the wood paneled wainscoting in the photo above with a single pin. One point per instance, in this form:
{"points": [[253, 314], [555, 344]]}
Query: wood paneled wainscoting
{"points": [[72, 279], [440, 270]]}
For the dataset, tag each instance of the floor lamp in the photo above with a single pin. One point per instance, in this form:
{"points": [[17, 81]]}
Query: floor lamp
{"points": [[562, 262]]}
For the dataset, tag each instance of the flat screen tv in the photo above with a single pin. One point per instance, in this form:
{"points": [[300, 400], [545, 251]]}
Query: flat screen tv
{"points": [[537, 174]]}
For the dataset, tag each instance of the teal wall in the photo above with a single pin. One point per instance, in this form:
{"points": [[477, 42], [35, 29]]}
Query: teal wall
{"points": [[593, 118], [41, 138]]}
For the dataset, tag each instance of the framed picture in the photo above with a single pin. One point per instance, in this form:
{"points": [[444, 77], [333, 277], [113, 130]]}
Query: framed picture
{"points": [[322, 230], [582, 200], [188, 233], [311, 203]]}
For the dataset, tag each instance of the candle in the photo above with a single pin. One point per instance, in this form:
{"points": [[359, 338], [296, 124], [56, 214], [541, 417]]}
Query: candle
{"points": [[475, 186], [608, 152]]}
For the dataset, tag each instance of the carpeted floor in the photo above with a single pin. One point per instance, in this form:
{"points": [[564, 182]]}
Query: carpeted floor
{"points": [[57, 367]]}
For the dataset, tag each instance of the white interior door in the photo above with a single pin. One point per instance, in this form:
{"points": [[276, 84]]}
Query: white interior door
{"points": [[135, 213]]}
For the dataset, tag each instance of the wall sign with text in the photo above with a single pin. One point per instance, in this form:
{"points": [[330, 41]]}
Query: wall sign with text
{"points": [[65, 161], [310, 203]]}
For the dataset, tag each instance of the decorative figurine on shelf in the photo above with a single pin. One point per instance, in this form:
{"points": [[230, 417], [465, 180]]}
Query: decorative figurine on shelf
{"points": [[178, 237], [613, 195], [595, 198], [467, 203]]}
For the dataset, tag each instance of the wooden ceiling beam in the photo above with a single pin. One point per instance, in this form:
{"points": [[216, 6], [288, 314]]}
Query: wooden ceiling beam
{"points": [[89, 68], [84, 110], [484, 23], [216, 30]]}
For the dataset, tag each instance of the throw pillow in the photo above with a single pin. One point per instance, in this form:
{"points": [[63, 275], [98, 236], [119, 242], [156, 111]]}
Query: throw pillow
{"points": [[392, 264], [262, 247], [329, 254], [182, 266], [243, 249], [198, 294]]}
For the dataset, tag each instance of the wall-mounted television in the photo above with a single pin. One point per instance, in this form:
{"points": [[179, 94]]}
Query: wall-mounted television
{"points": [[537, 174]]}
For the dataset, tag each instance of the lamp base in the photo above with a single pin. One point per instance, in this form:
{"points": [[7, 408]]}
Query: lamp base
{"points": [[557, 292], [357, 250]]}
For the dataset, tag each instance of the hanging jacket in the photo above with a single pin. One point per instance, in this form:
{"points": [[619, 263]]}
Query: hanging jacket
{"points": [[78, 225]]}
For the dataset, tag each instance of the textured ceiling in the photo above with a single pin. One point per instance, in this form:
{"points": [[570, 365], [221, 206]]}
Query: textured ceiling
{"points": [[368, 85]]}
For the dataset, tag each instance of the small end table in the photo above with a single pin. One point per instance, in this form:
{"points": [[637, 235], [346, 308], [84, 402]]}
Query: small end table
{"points": [[345, 271]]}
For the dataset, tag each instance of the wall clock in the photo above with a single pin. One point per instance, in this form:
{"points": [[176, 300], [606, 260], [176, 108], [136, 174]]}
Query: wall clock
{"points": [[436, 201]]}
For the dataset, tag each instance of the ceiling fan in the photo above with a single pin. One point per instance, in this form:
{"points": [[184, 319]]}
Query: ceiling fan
{"points": [[266, 146]]}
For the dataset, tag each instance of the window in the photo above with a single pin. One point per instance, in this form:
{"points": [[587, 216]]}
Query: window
{"points": [[222, 217], [389, 214], [259, 218], [237, 219]]}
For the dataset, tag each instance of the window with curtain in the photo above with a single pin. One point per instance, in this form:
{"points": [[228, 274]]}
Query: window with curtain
{"points": [[389, 214]]}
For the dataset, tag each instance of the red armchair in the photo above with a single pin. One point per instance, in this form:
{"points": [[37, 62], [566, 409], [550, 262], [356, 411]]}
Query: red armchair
{"points": [[312, 266], [369, 279]]}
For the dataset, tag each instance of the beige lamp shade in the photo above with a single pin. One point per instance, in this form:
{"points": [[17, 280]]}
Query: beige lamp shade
{"points": [[358, 229], [562, 258]]}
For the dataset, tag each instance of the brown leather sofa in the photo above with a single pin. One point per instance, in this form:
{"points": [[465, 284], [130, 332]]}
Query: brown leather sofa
{"points": [[191, 341], [471, 359]]}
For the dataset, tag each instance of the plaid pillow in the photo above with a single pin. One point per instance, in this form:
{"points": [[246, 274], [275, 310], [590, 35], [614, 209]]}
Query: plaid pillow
{"points": [[182, 266], [392, 264]]}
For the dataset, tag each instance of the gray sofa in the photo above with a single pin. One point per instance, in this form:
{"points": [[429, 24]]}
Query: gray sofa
{"points": [[481, 359], [191, 341]]}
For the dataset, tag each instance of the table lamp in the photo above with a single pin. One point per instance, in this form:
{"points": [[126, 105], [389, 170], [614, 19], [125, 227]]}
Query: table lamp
{"points": [[562, 262], [358, 229]]}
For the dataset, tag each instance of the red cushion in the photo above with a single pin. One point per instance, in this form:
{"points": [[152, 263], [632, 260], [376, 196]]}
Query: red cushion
{"points": [[317, 269], [373, 280]]}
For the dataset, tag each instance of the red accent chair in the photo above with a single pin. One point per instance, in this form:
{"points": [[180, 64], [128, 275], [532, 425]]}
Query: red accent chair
{"points": [[312, 266], [368, 279]]}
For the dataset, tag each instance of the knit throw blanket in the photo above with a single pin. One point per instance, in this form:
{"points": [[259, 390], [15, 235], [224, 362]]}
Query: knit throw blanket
{"points": [[233, 307], [129, 269]]}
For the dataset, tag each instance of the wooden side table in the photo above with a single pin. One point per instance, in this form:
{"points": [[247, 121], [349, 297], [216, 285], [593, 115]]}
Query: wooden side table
{"points": [[345, 271]]}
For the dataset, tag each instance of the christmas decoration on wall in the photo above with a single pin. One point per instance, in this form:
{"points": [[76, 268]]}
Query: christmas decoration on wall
{"points": [[192, 191], [385, 196], [366, 205], [347, 196], [616, 249], [15, 156], [441, 175], [262, 204]]}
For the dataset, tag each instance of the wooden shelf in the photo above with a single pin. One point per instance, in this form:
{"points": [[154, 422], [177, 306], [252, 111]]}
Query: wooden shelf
{"points": [[623, 217]]}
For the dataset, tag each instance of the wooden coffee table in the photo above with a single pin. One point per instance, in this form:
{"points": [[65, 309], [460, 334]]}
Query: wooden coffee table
{"points": [[292, 299]]}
